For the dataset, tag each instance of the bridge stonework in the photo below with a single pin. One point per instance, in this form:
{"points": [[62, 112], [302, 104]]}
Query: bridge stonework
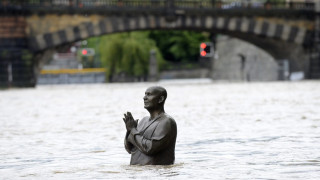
{"points": [[283, 39], [74, 28], [14, 70], [40, 27]]}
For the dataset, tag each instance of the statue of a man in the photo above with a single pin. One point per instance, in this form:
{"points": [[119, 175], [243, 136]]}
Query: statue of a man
{"points": [[152, 140]]}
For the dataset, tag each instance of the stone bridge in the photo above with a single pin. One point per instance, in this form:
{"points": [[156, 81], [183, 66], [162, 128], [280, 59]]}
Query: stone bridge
{"points": [[285, 30]]}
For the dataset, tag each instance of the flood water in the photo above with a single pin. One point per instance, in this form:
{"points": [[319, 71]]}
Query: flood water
{"points": [[225, 131]]}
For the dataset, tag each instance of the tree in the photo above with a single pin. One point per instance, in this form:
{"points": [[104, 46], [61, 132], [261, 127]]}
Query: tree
{"points": [[130, 52], [127, 53], [179, 46]]}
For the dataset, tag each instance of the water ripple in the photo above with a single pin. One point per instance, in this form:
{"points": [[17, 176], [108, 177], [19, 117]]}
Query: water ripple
{"points": [[225, 131]]}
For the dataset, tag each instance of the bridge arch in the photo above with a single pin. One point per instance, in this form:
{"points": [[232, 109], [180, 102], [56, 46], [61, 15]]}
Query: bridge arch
{"points": [[249, 26], [280, 40]]}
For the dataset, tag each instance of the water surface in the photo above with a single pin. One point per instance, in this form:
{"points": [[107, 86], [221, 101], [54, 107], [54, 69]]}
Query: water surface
{"points": [[225, 131]]}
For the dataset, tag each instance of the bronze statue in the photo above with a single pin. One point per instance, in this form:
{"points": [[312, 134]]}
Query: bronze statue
{"points": [[152, 140]]}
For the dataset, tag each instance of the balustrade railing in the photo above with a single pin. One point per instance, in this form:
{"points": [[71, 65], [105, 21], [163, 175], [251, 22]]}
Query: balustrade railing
{"points": [[177, 4]]}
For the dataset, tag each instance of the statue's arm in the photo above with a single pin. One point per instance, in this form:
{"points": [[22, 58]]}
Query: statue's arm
{"points": [[163, 133], [127, 145]]}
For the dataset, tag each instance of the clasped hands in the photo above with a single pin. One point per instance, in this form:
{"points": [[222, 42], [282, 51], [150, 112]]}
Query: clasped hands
{"points": [[129, 121]]}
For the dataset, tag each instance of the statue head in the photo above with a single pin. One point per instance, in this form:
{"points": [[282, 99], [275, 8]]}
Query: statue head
{"points": [[155, 98]]}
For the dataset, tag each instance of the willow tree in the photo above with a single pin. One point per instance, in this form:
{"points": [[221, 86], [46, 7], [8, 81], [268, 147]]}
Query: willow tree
{"points": [[128, 53]]}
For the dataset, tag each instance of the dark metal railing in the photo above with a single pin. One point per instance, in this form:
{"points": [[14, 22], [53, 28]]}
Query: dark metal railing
{"points": [[231, 4], [84, 3], [176, 4]]}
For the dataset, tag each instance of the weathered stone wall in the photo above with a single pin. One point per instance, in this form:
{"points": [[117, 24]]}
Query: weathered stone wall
{"points": [[15, 67], [49, 23], [256, 66], [308, 24], [80, 78], [13, 27]]}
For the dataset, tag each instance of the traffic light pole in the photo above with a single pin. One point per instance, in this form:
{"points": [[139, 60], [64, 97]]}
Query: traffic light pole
{"points": [[213, 38], [208, 54]]}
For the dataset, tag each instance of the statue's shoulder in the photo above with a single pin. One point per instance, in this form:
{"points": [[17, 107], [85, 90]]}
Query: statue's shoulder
{"points": [[168, 122], [168, 118]]}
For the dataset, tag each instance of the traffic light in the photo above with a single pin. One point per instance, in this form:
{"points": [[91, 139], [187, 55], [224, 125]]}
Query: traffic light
{"points": [[87, 52], [84, 52], [206, 49]]}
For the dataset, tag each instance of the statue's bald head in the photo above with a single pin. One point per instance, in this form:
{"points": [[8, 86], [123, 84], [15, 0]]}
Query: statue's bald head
{"points": [[160, 91]]}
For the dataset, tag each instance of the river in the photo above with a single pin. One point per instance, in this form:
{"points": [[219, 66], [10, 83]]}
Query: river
{"points": [[268, 130]]}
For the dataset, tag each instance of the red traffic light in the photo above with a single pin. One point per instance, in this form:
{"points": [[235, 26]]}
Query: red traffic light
{"points": [[203, 45], [203, 53], [206, 49], [87, 52], [84, 52]]}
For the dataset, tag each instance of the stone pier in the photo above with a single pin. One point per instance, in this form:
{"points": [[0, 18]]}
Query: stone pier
{"points": [[16, 66]]}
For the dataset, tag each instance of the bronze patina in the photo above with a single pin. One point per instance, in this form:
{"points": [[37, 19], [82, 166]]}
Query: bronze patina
{"points": [[152, 140]]}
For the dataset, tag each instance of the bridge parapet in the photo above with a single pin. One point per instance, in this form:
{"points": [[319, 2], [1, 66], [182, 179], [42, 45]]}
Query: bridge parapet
{"points": [[225, 4], [240, 7]]}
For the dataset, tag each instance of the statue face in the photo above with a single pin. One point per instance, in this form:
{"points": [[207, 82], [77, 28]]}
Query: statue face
{"points": [[151, 98]]}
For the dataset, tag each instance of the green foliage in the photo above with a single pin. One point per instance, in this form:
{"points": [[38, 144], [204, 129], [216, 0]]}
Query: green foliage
{"points": [[130, 52], [179, 46], [27, 57], [126, 52]]}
